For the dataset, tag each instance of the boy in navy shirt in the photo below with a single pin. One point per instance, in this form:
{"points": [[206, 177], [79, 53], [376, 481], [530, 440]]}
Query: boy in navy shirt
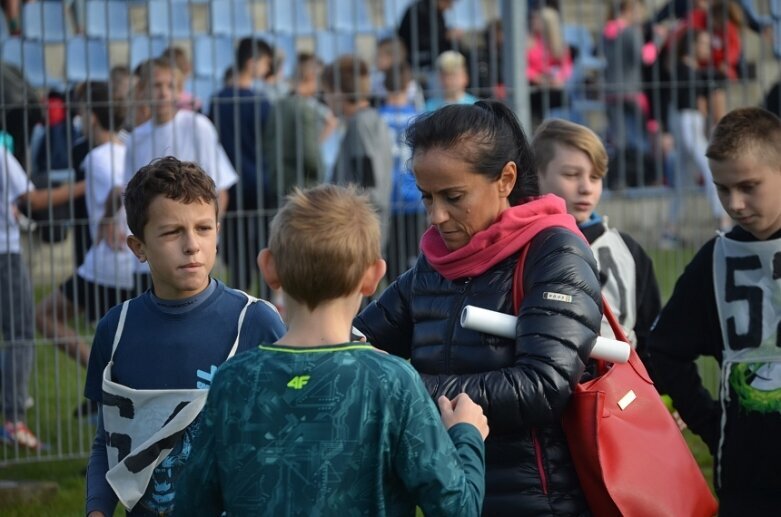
{"points": [[153, 357]]}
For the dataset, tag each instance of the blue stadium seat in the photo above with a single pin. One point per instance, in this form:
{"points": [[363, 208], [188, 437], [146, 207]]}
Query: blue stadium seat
{"points": [[349, 16], [231, 18], [775, 9], [5, 32], [144, 47], [44, 21], [777, 38], [11, 51], [203, 88], [211, 56], [169, 19], [393, 11], [466, 15], [28, 56], [86, 60], [289, 17], [108, 20], [330, 45]]}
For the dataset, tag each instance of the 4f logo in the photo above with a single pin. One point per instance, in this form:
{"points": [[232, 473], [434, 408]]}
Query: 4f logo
{"points": [[298, 382]]}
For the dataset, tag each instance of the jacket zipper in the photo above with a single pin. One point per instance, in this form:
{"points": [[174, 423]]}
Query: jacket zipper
{"points": [[540, 466], [463, 289]]}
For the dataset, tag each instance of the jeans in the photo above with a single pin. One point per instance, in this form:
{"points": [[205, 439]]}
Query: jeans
{"points": [[17, 317]]}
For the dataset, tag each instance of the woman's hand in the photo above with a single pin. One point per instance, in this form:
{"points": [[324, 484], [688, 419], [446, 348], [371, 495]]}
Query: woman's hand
{"points": [[462, 410]]}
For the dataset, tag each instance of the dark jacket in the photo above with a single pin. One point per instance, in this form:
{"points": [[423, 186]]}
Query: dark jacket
{"points": [[522, 385], [416, 27]]}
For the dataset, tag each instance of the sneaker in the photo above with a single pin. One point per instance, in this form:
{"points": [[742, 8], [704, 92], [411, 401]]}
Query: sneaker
{"points": [[5, 436], [21, 435]]}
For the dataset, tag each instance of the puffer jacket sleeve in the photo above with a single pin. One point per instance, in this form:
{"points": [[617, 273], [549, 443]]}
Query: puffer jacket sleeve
{"points": [[557, 326], [386, 322]]}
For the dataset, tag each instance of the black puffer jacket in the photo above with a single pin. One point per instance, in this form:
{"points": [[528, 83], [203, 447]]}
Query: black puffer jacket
{"points": [[522, 385]]}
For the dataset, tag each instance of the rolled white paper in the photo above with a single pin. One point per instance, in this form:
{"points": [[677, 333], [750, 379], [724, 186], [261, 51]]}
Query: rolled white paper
{"points": [[503, 325]]}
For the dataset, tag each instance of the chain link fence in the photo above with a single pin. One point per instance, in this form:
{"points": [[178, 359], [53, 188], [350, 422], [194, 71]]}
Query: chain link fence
{"points": [[650, 78]]}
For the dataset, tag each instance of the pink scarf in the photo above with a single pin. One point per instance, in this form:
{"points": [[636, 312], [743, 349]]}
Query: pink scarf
{"points": [[511, 231]]}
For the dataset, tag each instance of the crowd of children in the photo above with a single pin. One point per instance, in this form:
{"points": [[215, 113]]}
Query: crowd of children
{"points": [[306, 417]]}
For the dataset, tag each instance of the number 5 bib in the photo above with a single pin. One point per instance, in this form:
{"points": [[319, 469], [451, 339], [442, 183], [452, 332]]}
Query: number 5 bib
{"points": [[747, 282]]}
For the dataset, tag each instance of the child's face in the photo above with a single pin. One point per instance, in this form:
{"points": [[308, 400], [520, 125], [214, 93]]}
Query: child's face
{"points": [[454, 82], [261, 67], [702, 47], [165, 91], [333, 100], [385, 57], [180, 245], [571, 176], [750, 191]]}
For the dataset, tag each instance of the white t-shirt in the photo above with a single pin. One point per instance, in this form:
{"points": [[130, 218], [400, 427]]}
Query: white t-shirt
{"points": [[103, 172], [104, 168], [189, 136], [13, 183], [104, 265]]}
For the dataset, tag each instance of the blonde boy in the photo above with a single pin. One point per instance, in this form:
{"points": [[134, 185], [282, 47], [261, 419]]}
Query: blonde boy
{"points": [[571, 162], [315, 422], [453, 79], [727, 305]]}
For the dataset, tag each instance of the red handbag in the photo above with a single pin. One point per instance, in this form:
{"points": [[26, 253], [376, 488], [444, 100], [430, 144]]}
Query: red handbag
{"points": [[628, 451]]}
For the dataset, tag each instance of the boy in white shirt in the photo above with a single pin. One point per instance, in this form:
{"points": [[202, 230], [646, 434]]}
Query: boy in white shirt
{"points": [[16, 296], [186, 135]]}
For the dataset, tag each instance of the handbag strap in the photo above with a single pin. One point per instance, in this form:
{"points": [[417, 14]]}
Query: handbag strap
{"points": [[518, 280], [615, 326]]}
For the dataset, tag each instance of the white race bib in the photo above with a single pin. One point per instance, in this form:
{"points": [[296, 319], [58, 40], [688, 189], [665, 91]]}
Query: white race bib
{"points": [[616, 262]]}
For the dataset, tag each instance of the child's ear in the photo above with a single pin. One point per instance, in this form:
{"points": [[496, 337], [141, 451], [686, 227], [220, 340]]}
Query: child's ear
{"points": [[372, 277], [137, 247], [268, 268]]}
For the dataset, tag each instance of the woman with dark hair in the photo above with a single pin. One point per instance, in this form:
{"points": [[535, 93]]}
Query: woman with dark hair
{"points": [[474, 168]]}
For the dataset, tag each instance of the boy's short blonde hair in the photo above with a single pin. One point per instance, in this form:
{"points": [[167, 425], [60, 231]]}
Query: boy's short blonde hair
{"points": [[323, 239], [451, 61], [563, 132], [747, 131]]}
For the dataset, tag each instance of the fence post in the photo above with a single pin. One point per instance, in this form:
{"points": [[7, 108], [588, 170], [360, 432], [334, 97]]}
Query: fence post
{"points": [[515, 16]]}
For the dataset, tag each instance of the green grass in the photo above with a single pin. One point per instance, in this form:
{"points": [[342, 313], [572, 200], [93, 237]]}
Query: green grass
{"points": [[58, 383]]}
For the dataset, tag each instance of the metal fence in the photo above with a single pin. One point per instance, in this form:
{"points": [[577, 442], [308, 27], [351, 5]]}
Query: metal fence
{"points": [[563, 59]]}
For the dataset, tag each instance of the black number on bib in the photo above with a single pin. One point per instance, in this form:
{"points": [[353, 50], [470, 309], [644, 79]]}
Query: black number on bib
{"points": [[608, 265], [750, 294], [121, 442]]}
